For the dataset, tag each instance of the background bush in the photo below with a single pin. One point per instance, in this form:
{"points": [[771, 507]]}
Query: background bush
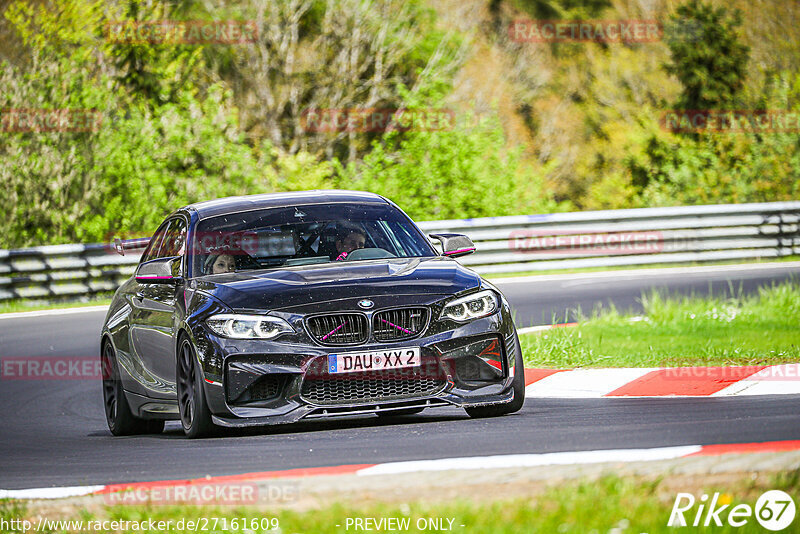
{"points": [[540, 127]]}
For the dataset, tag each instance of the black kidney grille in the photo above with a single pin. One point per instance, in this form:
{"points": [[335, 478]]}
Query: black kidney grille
{"points": [[339, 328], [405, 323]]}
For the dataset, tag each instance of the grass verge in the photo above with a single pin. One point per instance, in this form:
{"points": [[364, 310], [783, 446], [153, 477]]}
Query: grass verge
{"points": [[688, 331], [606, 505]]}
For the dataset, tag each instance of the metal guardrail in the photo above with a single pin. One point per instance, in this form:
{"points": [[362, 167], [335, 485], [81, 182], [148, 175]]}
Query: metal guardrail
{"points": [[629, 237], [504, 244]]}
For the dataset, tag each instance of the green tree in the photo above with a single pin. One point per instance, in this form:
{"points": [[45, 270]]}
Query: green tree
{"points": [[707, 56], [145, 158], [461, 171]]}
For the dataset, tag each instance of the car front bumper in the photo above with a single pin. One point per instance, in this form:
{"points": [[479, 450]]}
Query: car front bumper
{"points": [[468, 370]]}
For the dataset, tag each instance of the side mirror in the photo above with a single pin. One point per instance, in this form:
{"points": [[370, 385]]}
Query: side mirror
{"points": [[160, 271], [121, 245], [455, 245]]}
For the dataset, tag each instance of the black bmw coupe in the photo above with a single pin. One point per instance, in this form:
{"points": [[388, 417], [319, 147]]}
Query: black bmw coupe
{"points": [[274, 308]]}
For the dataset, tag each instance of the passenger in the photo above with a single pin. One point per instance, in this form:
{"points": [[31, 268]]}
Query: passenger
{"points": [[221, 263]]}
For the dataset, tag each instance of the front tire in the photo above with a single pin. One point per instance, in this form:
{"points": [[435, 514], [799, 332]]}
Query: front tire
{"points": [[195, 415], [120, 419], [518, 385]]}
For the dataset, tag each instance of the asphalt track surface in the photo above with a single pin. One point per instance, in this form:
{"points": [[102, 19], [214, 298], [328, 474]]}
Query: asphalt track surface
{"points": [[54, 432]]}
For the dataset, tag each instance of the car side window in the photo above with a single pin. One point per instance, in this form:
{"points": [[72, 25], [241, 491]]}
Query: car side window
{"points": [[174, 239], [168, 241], [155, 243]]}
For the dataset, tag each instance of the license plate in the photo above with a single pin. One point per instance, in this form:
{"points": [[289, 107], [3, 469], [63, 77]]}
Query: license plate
{"points": [[351, 362]]}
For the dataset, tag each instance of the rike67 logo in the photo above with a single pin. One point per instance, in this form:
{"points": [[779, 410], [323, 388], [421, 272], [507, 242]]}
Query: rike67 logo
{"points": [[774, 510]]}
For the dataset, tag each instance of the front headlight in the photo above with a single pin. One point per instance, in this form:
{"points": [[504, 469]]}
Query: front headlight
{"points": [[472, 306], [248, 326]]}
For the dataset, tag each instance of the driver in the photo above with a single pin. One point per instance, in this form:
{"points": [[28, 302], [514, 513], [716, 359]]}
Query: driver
{"points": [[348, 239]]}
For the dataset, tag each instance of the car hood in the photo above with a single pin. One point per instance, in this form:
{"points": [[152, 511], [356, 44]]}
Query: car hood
{"points": [[283, 289]]}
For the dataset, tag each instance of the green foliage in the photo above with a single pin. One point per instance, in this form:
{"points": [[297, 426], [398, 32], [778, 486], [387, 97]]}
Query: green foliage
{"points": [[171, 133], [323, 55], [575, 123], [125, 175], [155, 72], [659, 168], [165, 158], [459, 171], [63, 28], [709, 61], [718, 167], [298, 172], [43, 174], [151, 153]]}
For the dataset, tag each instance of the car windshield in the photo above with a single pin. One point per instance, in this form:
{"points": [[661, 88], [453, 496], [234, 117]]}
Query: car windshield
{"points": [[304, 235]]}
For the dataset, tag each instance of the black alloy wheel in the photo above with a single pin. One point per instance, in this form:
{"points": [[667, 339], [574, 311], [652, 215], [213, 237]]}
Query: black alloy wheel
{"points": [[195, 415], [121, 422]]}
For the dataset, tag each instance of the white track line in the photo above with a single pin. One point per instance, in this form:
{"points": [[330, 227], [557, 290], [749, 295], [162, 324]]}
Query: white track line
{"points": [[49, 493], [58, 311], [531, 460], [634, 273]]}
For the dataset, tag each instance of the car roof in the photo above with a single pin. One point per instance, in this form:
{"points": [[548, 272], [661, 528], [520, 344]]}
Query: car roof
{"points": [[223, 206]]}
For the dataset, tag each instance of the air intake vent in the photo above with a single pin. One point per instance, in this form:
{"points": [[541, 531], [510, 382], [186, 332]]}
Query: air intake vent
{"points": [[394, 325], [266, 388], [368, 389], [339, 328], [321, 387]]}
